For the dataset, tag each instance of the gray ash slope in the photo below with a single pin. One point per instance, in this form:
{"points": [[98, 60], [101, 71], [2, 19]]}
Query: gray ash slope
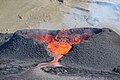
{"points": [[20, 53], [19, 47], [100, 52]]}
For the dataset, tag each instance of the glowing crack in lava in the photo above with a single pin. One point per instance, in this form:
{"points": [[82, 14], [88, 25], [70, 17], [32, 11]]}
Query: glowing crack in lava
{"points": [[61, 43]]}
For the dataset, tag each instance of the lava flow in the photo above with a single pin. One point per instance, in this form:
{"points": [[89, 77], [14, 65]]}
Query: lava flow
{"points": [[60, 44]]}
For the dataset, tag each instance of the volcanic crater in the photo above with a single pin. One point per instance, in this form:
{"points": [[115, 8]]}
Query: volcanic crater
{"points": [[90, 52]]}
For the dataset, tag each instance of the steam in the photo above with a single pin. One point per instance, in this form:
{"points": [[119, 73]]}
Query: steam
{"points": [[99, 14], [104, 13]]}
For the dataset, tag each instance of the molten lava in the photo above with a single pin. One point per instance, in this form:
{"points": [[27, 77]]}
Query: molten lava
{"points": [[59, 47], [60, 44]]}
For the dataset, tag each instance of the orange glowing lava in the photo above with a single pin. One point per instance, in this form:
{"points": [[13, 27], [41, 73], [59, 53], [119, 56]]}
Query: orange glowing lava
{"points": [[59, 47], [60, 44]]}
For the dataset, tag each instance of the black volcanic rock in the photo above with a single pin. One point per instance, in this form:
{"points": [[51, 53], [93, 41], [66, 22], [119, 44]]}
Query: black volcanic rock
{"points": [[61, 1], [19, 47], [100, 52], [116, 69], [68, 71], [4, 37], [21, 53]]}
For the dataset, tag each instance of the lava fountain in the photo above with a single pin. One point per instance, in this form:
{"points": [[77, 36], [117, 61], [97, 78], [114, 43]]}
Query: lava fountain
{"points": [[60, 44]]}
